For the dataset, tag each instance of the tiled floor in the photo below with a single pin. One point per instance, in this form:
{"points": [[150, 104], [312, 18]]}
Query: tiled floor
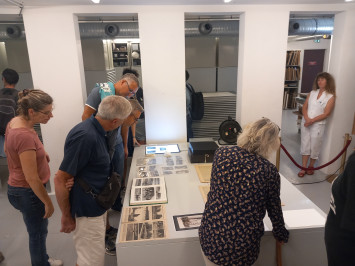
{"points": [[14, 239]]}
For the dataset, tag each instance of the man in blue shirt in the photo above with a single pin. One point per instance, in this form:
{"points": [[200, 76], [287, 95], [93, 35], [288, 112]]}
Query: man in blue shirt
{"points": [[86, 156]]}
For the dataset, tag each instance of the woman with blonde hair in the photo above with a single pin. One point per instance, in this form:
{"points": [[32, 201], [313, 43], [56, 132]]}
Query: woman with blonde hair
{"points": [[318, 106], [244, 184], [29, 171]]}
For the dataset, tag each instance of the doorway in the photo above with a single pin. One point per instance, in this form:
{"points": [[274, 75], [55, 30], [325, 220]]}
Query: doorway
{"points": [[211, 56]]}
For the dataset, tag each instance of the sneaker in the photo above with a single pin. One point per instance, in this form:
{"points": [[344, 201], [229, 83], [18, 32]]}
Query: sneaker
{"points": [[55, 262], [111, 232], [110, 247]]}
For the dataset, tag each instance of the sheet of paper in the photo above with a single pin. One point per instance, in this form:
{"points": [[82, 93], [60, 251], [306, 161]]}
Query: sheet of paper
{"points": [[204, 191], [303, 218], [204, 172]]}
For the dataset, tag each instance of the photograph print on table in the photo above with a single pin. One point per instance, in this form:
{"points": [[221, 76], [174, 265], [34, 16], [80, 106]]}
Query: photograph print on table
{"points": [[187, 221]]}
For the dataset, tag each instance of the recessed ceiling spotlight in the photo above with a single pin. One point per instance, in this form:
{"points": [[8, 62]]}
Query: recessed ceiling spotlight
{"points": [[349, 0], [96, 1], [227, 1]]}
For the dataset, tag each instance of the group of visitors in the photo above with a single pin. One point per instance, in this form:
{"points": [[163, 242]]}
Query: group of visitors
{"points": [[90, 153], [244, 183]]}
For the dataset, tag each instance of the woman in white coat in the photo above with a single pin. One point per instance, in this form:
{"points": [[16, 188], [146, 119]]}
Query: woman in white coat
{"points": [[317, 107]]}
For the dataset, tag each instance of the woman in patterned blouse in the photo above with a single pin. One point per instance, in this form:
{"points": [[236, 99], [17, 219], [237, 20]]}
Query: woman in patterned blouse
{"points": [[244, 184]]}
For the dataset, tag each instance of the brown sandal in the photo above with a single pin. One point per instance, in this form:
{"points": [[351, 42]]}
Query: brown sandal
{"points": [[310, 172], [301, 173]]}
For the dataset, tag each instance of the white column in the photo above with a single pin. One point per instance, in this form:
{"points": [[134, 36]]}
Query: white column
{"points": [[54, 48], [342, 65], [161, 31], [261, 65]]}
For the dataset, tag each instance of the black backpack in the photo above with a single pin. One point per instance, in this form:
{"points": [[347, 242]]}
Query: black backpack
{"points": [[8, 106], [197, 103]]}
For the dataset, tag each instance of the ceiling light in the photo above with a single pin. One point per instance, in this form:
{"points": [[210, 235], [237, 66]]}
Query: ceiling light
{"points": [[126, 40], [96, 1], [349, 0], [227, 1]]}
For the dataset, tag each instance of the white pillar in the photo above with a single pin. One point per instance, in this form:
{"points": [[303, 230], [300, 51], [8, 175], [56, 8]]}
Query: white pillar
{"points": [[261, 66], [342, 65], [54, 48], [162, 35]]}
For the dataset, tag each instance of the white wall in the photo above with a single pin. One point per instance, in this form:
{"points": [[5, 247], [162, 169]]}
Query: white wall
{"points": [[164, 87], [342, 65], [261, 64], [54, 48]]}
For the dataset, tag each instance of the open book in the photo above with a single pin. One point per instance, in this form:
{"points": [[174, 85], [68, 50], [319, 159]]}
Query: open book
{"points": [[148, 190]]}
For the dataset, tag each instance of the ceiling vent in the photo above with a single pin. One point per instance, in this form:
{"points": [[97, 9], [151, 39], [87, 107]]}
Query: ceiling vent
{"points": [[319, 26], [205, 28], [112, 30], [13, 32]]}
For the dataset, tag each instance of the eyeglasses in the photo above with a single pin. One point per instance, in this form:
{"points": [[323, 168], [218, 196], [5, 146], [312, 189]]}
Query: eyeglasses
{"points": [[130, 90], [130, 124], [48, 113]]}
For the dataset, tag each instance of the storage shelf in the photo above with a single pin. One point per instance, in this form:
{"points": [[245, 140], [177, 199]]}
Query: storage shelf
{"points": [[292, 76], [123, 56]]}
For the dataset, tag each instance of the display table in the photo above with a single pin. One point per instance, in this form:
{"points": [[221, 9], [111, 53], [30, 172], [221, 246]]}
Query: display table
{"points": [[181, 248]]}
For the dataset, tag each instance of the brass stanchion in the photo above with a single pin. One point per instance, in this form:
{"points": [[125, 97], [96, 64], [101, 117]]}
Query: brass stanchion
{"points": [[278, 157], [278, 253]]}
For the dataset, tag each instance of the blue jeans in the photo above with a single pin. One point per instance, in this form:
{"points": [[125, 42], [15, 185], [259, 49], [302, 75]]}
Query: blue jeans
{"points": [[32, 209]]}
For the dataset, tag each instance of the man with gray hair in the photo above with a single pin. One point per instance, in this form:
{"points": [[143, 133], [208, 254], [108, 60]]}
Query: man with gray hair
{"points": [[127, 86], [86, 157]]}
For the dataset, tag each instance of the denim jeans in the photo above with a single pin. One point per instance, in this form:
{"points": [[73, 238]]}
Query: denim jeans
{"points": [[32, 209]]}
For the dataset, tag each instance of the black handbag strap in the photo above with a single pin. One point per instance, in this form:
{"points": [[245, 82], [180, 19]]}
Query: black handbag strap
{"points": [[86, 187]]}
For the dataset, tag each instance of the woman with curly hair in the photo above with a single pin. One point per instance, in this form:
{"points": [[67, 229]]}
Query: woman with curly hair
{"points": [[317, 107], [244, 184]]}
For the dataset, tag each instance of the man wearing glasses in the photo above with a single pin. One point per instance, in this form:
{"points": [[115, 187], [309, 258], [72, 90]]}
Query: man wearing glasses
{"points": [[127, 86]]}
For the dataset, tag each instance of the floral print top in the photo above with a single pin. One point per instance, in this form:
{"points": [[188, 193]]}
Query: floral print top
{"points": [[243, 186]]}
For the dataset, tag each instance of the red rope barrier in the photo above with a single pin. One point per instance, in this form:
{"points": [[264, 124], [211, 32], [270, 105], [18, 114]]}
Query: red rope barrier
{"points": [[319, 167]]}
